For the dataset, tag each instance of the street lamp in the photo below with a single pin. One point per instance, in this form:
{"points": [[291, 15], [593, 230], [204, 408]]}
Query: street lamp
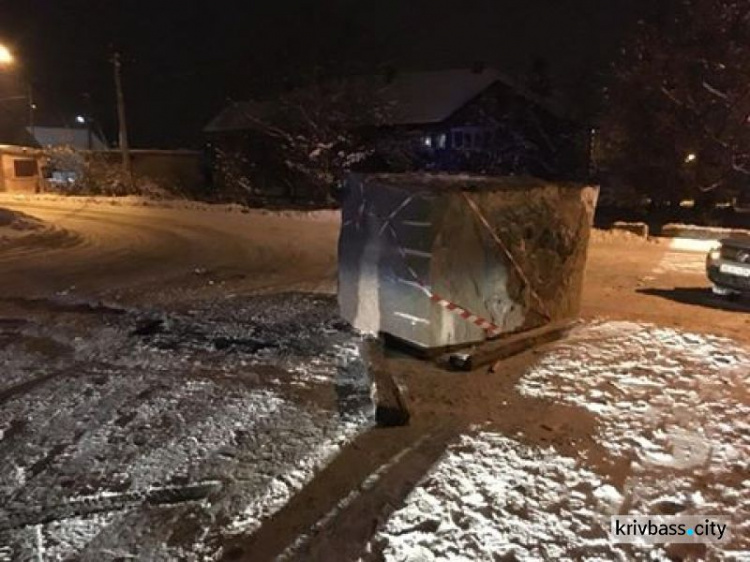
{"points": [[6, 57], [6, 60]]}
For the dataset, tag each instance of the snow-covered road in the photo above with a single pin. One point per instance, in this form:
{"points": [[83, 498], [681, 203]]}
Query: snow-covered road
{"points": [[135, 249]]}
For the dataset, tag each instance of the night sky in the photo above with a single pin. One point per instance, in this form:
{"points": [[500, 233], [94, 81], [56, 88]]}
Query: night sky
{"points": [[184, 60]]}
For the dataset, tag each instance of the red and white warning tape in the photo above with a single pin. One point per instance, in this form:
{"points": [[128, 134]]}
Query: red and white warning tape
{"points": [[484, 324], [490, 328]]}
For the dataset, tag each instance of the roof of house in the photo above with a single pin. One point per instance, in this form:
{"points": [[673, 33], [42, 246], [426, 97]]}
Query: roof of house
{"points": [[63, 136], [432, 97], [412, 98], [239, 116]]}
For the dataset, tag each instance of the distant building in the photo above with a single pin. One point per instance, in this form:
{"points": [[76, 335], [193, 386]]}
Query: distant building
{"points": [[26, 154], [78, 138], [461, 120], [16, 131], [21, 169]]}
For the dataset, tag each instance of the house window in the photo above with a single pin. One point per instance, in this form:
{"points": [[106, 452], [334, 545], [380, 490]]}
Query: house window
{"points": [[427, 141], [472, 138], [442, 140], [24, 168]]}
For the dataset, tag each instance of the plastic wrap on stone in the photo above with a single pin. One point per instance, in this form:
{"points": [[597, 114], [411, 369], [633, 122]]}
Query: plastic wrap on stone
{"points": [[445, 260]]}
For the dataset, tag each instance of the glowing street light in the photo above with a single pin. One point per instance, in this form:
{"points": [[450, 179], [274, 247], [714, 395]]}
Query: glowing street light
{"points": [[691, 157], [80, 119], [6, 57]]}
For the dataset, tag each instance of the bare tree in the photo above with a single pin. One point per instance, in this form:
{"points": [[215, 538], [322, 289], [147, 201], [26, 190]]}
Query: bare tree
{"points": [[319, 132], [678, 124]]}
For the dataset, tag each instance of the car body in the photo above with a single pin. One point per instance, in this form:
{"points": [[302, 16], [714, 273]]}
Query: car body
{"points": [[728, 267]]}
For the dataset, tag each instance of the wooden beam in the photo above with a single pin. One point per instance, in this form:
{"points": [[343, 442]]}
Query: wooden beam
{"points": [[496, 350]]}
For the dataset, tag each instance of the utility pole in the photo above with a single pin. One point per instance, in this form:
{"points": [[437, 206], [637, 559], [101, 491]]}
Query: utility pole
{"points": [[89, 121], [32, 108], [127, 167]]}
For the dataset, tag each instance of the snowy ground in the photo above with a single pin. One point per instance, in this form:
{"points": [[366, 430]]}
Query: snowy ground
{"points": [[675, 404], [493, 498], [682, 262], [158, 435], [154, 406]]}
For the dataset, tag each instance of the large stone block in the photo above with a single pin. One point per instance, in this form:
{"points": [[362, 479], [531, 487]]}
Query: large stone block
{"points": [[445, 260]]}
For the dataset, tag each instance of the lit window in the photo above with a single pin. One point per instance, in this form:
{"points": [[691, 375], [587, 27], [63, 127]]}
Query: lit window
{"points": [[442, 140], [427, 141]]}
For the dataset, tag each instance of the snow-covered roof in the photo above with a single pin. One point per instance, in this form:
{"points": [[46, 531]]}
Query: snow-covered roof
{"points": [[412, 98], [432, 97], [61, 136], [239, 116]]}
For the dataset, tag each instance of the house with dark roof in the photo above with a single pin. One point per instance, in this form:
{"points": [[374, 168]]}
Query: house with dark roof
{"points": [[458, 120]]}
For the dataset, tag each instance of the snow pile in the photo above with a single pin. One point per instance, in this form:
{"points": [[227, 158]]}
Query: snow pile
{"points": [[691, 245], [682, 262], [16, 221], [22, 232], [492, 498], [601, 236], [14, 225], [676, 403]]}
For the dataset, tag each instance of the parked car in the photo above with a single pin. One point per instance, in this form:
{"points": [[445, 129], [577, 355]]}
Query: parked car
{"points": [[728, 267]]}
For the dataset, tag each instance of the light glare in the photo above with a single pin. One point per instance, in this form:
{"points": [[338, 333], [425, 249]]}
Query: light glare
{"points": [[6, 57]]}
